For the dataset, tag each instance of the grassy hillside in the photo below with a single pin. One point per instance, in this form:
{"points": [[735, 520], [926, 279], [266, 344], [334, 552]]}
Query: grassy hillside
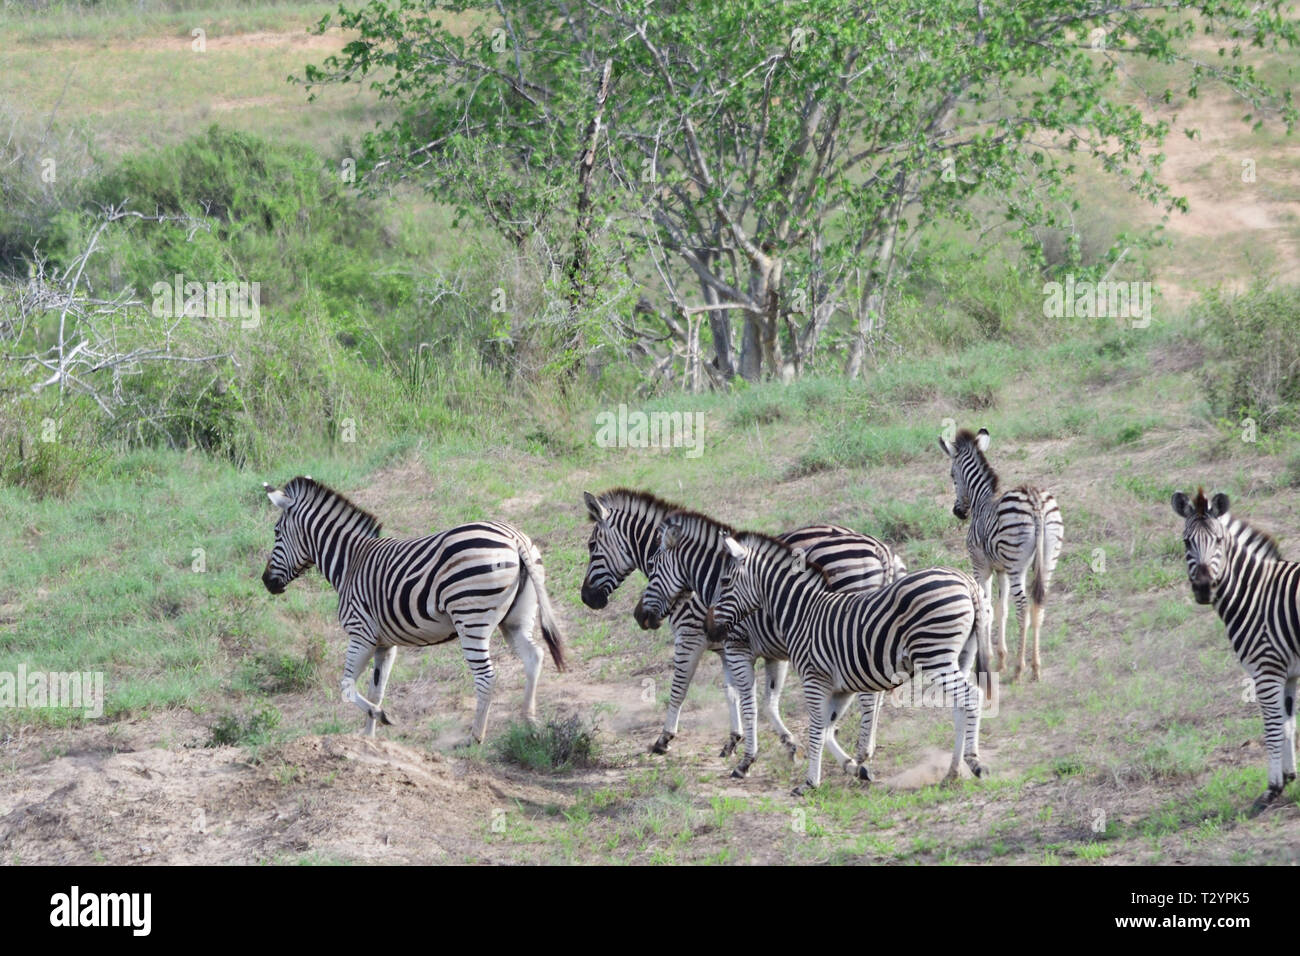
{"points": [[136, 549]]}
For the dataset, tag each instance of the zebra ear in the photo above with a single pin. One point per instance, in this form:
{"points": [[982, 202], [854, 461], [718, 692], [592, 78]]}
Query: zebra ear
{"points": [[735, 548], [278, 498], [947, 448], [1182, 505], [597, 511], [1219, 505], [982, 440]]}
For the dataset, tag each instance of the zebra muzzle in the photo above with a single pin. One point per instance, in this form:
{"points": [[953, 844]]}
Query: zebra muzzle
{"points": [[594, 599], [271, 584], [648, 620]]}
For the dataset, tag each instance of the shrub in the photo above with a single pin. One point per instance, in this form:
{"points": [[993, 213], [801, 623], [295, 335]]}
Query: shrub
{"points": [[1254, 354], [557, 745]]}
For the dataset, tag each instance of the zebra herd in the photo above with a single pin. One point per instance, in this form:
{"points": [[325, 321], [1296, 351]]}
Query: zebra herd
{"points": [[841, 606]]}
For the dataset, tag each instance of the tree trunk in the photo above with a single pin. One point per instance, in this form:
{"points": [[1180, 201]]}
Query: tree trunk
{"points": [[583, 227]]}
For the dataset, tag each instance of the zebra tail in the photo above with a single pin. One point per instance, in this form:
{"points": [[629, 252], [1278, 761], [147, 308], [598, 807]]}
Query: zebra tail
{"points": [[984, 658], [532, 567], [1037, 591]]}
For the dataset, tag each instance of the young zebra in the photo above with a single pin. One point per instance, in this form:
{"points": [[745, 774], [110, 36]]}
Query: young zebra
{"points": [[690, 559], [462, 583], [1240, 571], [935, 621], [1010, 533]]}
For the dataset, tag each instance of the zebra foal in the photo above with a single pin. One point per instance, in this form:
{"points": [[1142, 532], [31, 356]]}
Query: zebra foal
{"points": [[462, 583], [934, 621], [1240, 571], [1011, 532]]}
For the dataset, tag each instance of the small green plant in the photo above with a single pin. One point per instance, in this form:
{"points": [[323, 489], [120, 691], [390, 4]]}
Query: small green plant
{"points": [[557, 745], [230, 730]]}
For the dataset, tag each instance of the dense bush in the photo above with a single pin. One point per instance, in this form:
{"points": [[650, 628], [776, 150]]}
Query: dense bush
{"points": [[1253, 367]]}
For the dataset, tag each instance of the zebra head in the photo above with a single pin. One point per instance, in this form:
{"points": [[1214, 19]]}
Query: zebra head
{"points": [[970, 470], [668, 582], [610, 557], [1205, 538], [291, 555], [737, 592]]}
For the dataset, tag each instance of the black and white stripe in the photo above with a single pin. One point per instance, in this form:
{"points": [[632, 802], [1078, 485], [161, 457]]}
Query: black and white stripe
{"points": [[1011, 533], [691, 559], [1240, 571], [934, 622], [462, 583]]}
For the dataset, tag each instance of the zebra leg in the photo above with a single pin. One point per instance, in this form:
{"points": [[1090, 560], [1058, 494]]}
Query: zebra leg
{"points": [[817, 694], [839, 704], [1288, 750], [974, 706], [776, 674], [1022, 615], [739, 660], [734, 706], [530, 653], [1279, 733], [687, 649], [965, 718], [474, 645], [870, 703], [984, 576], [1036, 614], [360, 651], [385, 657]]}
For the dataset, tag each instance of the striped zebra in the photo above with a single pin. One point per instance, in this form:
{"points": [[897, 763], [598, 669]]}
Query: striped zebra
{"points": [[461, 583], [690, 559], [624, 537], [1011, 532], [935, 622], [1240, 571]]}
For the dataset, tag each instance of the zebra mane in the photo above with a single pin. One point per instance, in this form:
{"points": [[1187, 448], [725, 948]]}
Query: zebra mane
{"points": [[1259, 543], [767, 545], [624, 499], [967, 439], [307, 486], [710, 524]]}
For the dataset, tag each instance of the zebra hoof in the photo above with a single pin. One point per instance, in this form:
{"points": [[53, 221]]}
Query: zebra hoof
{"points": [[865, 774], [1287, 778], [385, 719], [952, 779], [740, 773], [729, 747], [979, 770], [791, 748], [1265, 800], [660, 746], [802, 789]]}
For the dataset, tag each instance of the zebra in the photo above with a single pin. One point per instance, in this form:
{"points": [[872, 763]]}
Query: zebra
{"points": [[1240, 571], [690, 559], [623, 539], [935, 621], [1010, 533], [461, 583]]}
